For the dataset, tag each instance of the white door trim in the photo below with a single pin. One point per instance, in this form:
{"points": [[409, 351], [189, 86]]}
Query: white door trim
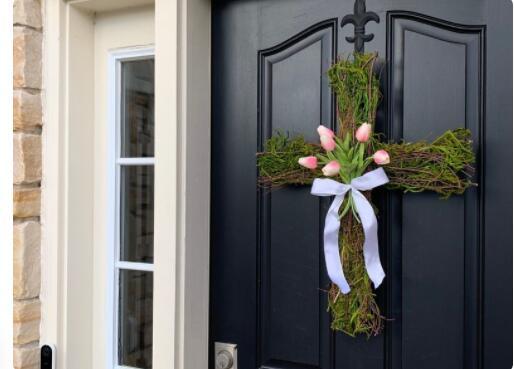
{"points": [[182, 176], [182, 179]]}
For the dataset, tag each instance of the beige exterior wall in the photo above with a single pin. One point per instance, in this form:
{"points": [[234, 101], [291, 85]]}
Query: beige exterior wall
{"points": [[27, 127]]}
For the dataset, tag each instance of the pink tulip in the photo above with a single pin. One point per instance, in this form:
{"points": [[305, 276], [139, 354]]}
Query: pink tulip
{"points": [[331, 169], [324, 131], [310, 162], [327, 143], [363, 132], [381, 157]]}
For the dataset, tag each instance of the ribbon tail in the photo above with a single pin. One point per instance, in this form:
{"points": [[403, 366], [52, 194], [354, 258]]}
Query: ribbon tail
{"points": [[370, 227], [331, 246]]}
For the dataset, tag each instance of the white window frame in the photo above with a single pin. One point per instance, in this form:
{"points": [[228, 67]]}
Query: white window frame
{"points": [[116, 161]]}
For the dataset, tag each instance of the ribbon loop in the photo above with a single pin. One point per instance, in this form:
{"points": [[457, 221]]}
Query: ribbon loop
{"points": [[370, 180], [329, 187]]}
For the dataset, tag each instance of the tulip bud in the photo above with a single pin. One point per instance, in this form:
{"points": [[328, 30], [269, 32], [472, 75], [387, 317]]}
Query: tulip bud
{"points": [[324, 131], [310, 162], [327, 143], [381, 157], [331, 169], [363, 132]]}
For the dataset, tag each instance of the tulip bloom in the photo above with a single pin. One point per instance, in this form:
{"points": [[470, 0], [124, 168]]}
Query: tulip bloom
{"points": [[327, 142], [331, 169], [310, 162], [363, 132], [381, 157], [324, 131]]}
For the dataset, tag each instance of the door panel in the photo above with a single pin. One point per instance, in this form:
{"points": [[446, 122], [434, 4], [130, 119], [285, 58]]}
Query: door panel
{"points": [[447, 301], [436, 81], [293, 99]]}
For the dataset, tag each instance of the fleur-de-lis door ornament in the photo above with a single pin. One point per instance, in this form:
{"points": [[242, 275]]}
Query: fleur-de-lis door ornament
{"points": [[359, 18]]}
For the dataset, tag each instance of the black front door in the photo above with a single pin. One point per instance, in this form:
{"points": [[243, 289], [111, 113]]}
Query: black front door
{"points": [[448, 291]]}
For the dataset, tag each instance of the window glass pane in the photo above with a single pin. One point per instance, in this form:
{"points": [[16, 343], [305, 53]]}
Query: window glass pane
{"points": [[137, 108], [136, 213], [135, 319]]}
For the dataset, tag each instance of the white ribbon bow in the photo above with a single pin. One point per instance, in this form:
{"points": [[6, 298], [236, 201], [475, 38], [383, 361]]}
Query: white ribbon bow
{"points": [[329, 187]]}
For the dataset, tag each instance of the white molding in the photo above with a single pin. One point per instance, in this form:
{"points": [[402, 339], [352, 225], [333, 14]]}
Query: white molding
{"points": [[108, 6], [166, 189], [182, 162], [181, 276], [69, 281], [60, 296], [51, 196], [131, 53], [111, 175]]}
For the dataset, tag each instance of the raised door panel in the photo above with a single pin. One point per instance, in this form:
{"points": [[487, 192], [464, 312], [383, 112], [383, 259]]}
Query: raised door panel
{"points": [[294, 98], [436, 71]]}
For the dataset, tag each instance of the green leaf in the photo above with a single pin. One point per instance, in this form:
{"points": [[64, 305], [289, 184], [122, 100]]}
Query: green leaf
{"points": [[362, 147], [350, 153], [346, 142]]}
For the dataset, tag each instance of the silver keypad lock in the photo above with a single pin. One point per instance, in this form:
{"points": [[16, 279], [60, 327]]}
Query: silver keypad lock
{"points": [[225, 355]]}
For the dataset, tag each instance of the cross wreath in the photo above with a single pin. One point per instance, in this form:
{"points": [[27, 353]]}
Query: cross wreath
{"points": [[348, 165]]}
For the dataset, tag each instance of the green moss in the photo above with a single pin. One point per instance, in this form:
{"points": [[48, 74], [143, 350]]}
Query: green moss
{"points": [[278, 165], [356, 312], [443, 166], [357, 90]]}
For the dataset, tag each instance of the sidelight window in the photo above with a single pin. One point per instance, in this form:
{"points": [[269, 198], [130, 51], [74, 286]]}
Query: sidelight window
{"points": [[133, 246]]}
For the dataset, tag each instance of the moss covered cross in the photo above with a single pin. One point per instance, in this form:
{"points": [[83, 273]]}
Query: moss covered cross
{"points": [[443, 166]]}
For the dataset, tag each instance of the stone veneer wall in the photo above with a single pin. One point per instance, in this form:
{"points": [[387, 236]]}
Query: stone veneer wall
{"points": [[27, 126]]}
